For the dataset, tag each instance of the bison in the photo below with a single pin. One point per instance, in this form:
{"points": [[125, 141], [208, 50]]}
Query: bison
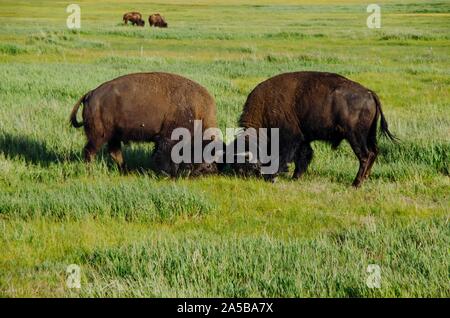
{"points": [[144, 107], [309, 106], [134, 17], [157, 20]]}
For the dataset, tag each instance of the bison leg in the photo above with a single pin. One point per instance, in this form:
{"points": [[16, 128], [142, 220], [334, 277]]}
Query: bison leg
{"points": [[372, 156], [360, 149], [90, 150], [372, 145], [303, 157], [285, 157], [115, 150]]}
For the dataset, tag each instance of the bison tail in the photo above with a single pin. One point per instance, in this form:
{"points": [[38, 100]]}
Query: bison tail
{"points": [[383, 123], [73, 115]]}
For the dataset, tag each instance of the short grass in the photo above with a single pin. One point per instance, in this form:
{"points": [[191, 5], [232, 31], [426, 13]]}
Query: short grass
{"points": [[143, 235]]}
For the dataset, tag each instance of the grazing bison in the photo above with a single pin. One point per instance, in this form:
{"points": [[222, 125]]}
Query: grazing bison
{"points": [[144, 107], [309, 106], [157, 20], [134, 17]]}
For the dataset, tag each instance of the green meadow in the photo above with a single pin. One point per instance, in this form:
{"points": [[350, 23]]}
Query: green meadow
{"points": [[144, 235]]}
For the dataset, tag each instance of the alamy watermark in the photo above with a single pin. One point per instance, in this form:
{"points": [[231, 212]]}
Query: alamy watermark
{"points": [[374, 278], [74, 19], [374, 20], [73, 279]]}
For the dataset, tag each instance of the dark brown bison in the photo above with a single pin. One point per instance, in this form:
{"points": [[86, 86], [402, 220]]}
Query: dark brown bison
{"points": [[134, 17], [144, 107], [309, 106], [157, 20]]}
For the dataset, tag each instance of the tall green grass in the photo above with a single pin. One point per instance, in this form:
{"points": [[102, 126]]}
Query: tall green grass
{"points": [[141, 200], [334, 265]]}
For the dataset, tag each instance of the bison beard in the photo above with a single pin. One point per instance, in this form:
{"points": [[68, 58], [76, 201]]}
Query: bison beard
{"points": [[144, 107], [309, 106]]}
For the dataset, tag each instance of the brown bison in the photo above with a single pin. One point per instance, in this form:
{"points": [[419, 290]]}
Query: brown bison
{"points": [[134, 17], [157, 20], [144, 107], [309, 106]]}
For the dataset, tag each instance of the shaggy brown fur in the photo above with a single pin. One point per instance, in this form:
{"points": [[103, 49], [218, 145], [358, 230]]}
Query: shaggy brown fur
{"points": [[143, 107], [157, 20], [308, 106], [134, 17]]}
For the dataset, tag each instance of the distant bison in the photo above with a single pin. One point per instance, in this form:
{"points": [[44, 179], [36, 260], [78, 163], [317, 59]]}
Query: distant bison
{"points": [[308, 106], [157, 20], [134, 17], [144, 107]]}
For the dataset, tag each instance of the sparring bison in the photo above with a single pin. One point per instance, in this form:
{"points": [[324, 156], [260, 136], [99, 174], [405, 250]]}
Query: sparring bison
{"points": [[157, 20], [134, 17], [309, 106], [144, 107]]}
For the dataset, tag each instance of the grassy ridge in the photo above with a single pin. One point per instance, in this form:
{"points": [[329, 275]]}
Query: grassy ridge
{"points": [[265, 267], [136, 201], [222, 235], [334, 264]]}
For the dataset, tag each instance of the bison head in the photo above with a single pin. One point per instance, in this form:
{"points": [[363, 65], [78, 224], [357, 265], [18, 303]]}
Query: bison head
{"points": [[162, 160], [242, 163], [141, 22], [246, 168], [204, 168]]}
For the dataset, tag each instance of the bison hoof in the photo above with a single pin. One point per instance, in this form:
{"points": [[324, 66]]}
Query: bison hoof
{"points": [[356, 184]]}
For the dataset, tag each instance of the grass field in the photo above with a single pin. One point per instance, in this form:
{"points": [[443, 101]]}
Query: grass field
{"points": [[143, 235]]}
